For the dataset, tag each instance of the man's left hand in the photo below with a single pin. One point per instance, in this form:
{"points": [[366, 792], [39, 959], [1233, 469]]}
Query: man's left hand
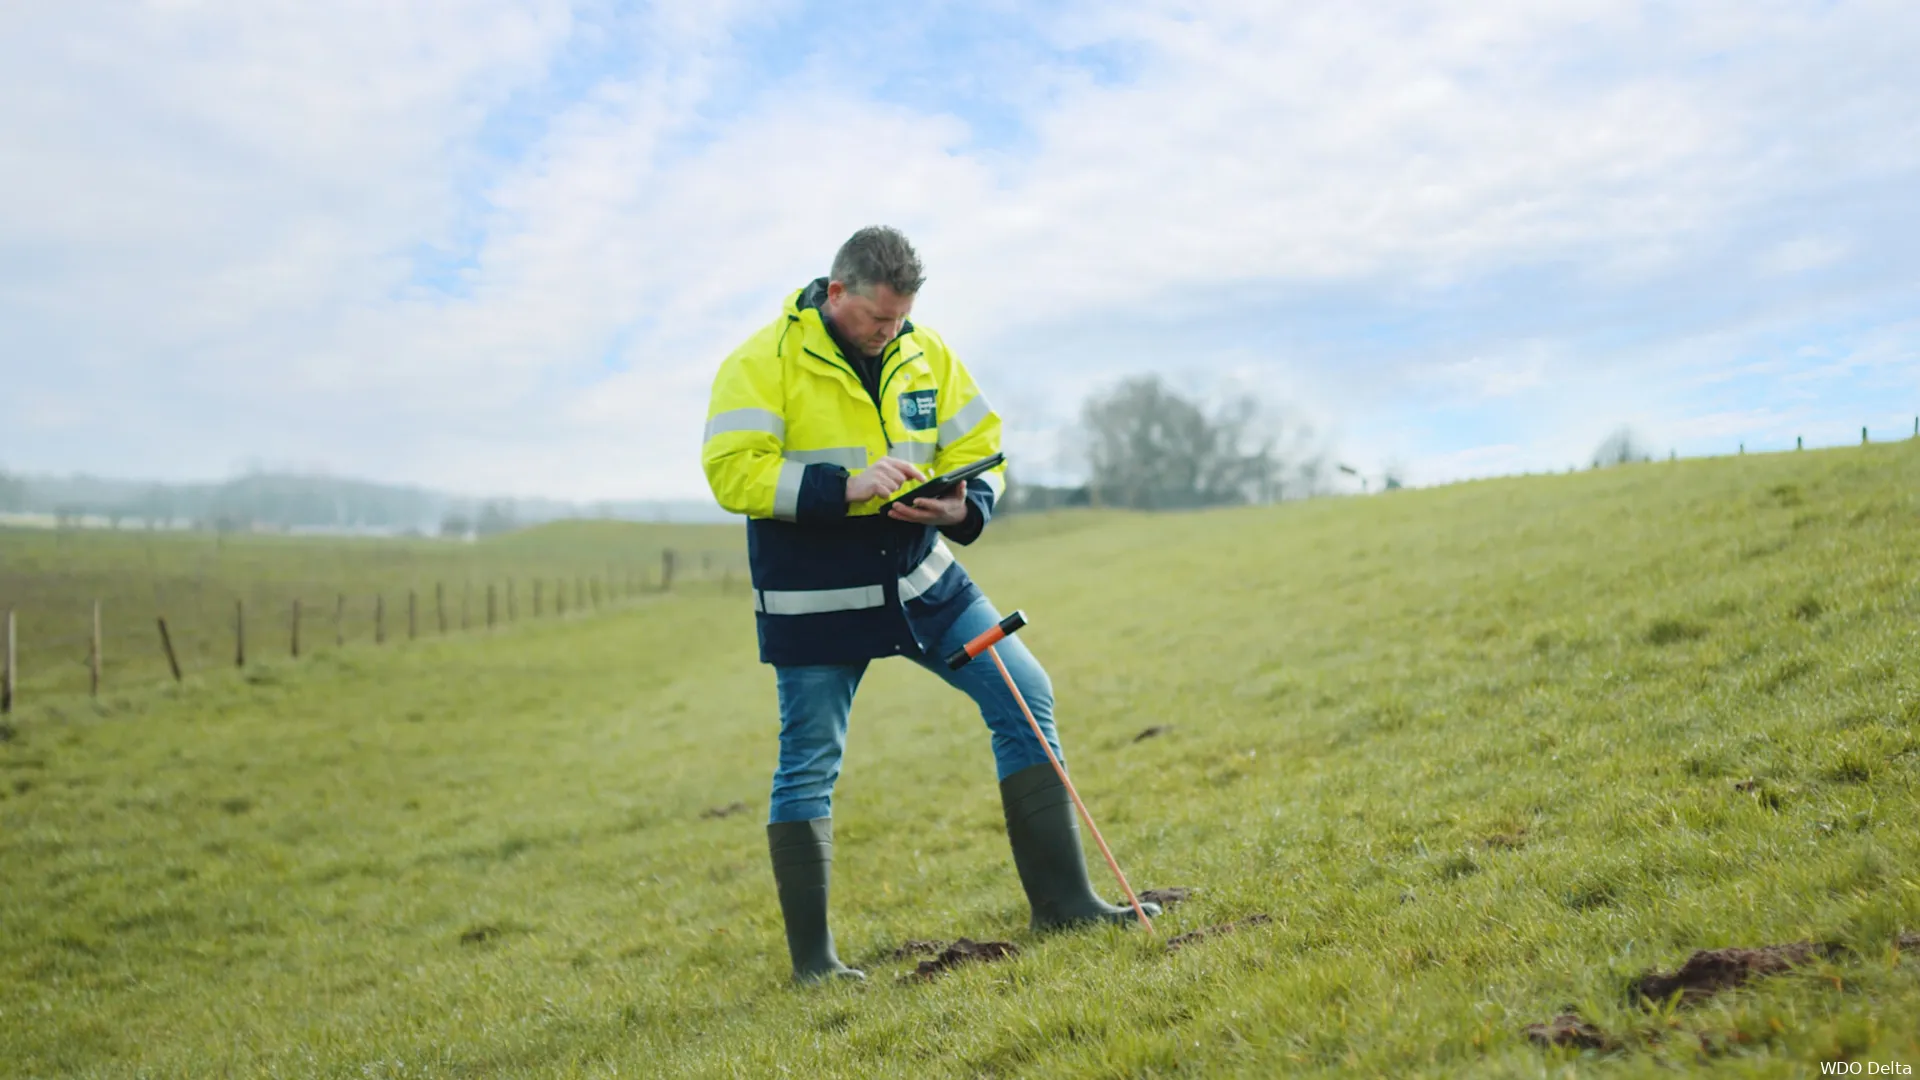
{"points": [[945, 511]]}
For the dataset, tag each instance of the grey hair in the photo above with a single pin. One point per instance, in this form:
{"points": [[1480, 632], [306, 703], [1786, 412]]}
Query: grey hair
{"points": [[879, 255]]}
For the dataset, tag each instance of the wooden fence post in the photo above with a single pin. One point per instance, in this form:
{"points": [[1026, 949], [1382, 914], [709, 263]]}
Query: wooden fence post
{"points": [[489, 605], [380, 619], [296, 628], [339, 620], [440, 603], [413, 614], [1863, 436], [239, 632], [10, 674], [94, 661], [166, 642], [1797, 445], [666, 570]]}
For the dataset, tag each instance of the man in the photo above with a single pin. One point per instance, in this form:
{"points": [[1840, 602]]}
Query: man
{"points": [[814, 422]]}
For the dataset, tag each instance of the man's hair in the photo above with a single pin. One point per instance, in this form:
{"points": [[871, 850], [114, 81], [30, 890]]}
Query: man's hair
{"points": [[878, 255]]}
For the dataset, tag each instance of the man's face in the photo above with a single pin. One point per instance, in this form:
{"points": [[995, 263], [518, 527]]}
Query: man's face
{"points": [[869, 321]]}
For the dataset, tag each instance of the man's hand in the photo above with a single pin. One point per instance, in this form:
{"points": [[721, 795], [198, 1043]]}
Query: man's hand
{"points": [[882, 478], [947, 510]]}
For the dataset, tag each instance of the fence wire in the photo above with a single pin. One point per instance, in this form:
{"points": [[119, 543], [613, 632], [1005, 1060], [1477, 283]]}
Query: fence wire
{"points": [[222, 614]]}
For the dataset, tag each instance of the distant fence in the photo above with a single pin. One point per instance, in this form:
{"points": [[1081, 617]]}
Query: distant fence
{"points": [[219, 625]]}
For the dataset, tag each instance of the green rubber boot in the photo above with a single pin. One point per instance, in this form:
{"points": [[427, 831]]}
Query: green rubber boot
{"points": [[1046, 850], [802, 864]]}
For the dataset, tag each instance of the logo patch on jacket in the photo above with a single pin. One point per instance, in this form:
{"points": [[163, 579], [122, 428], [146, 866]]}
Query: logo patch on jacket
{"points": [[917, 409]]}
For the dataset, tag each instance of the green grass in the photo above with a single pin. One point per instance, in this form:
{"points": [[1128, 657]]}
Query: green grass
{"points": [[347, 588], [1483, 754]]}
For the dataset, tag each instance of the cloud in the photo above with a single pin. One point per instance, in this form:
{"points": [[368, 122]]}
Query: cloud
{"points": [[504, 246]]}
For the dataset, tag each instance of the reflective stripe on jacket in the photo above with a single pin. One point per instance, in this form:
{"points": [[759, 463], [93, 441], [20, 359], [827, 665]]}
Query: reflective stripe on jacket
{"points": [[788, 423]]}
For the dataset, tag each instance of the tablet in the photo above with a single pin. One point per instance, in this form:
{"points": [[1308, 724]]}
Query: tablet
{"points": [[946, 481]]}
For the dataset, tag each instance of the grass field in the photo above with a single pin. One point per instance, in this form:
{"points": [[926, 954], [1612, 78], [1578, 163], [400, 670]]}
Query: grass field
{"points": [[347, 588], [1483, 755]]}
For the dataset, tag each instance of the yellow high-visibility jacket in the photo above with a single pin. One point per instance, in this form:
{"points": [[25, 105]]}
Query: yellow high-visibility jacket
{"points": [[788, 423]]}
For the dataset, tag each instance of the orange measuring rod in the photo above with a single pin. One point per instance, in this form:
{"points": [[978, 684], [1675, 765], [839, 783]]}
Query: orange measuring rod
{"points": [[985, 644]]}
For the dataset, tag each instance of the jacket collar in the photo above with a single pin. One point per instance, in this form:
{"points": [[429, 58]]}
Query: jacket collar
{"points": [[812, 297]]}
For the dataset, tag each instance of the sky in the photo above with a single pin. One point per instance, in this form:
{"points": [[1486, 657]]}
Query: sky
{"points": [[502, 247]]}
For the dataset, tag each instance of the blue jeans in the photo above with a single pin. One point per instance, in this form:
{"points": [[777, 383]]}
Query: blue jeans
{"points": [[815, 701]]}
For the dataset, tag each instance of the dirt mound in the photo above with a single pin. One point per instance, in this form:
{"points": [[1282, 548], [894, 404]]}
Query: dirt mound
{"points": [[1569, 1030], [1192, 936], [918, 948], [724, 811], [1165, 897], [1709, 971], [964, 951]]}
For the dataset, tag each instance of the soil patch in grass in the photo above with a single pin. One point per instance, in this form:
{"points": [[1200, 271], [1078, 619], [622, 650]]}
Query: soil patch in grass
{"points": [[1709, 971], [964, 951], [1202, 934], [1569, 1030]]}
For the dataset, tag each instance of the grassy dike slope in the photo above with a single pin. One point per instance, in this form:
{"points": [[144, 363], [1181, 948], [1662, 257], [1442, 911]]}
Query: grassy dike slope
{"points": [[1483, 754]]}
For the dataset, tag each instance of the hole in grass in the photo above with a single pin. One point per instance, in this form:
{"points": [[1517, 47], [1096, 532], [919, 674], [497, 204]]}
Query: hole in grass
{"points": [[1809, 608], [76, 943], [1850, 768], [479, 935], [1704, 764], [236, 805], [1457, 866], [1507, 840], [837, 1020], [1762, 549], [1787, 674], [1674, 631], [1592, 894]]}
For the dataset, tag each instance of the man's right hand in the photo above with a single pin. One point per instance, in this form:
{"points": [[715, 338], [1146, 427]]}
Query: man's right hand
{"points": [[882, 478]]}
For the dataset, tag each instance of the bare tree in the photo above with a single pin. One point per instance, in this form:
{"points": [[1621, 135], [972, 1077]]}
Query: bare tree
{"points": [[1620, 448], [1150, 448], [496, 516]]}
